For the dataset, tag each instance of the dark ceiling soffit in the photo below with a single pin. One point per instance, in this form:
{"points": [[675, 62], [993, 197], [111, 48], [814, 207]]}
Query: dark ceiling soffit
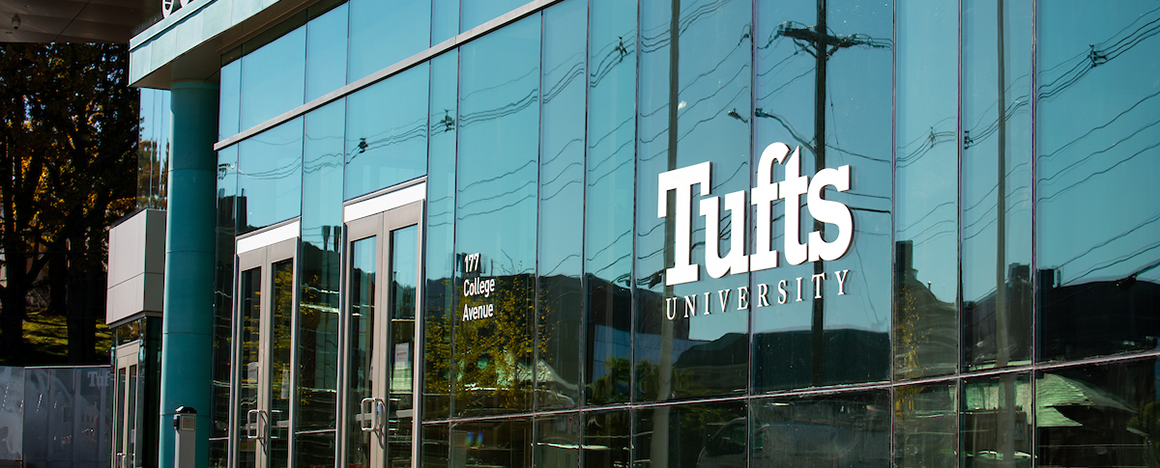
{"points": [[73, 20]]}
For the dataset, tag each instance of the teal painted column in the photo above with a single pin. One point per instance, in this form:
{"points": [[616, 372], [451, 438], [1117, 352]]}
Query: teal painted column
{"points": [[187, 327]]}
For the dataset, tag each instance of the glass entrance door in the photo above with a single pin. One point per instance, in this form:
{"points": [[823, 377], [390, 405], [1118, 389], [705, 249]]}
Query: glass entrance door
{"points": [[383, 284], [263, 350], [126, 426]]}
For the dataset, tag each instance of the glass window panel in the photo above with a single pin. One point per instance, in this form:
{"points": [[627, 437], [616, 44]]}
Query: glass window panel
{"points": [[691, 339], [150, 395], [282, 311], [436, 445], [219, 452], [136, 330], [837, 333], [504, 443], [996, 421], [360, 333], [131, 417], [926, 174], [153, 148], [607, 439], [273, 79], [1097, 153], [318, 318], [843, 429], [37, 392], [996, 178], [690, 435], [326, 52], [227, 204], [1097, 415], [440, 232], [610, 181], [230, 100], [476, 12], [857, 308], [496, 218], [926, 425], [404, 281], [160, 168], [270, 176], [386, 133], [557, 441], [315, 449], [444, 21], [653, 157], [90, 430], [784, 112], [249, 330], [561, 227], [120, 421], [383, 32]]}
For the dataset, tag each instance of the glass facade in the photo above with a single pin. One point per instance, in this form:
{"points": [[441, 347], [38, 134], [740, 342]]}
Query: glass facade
{"points": [[1094, 142], [681, 233], [153, 146]]}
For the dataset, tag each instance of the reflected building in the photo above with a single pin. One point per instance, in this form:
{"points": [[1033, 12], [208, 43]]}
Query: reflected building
{"points": [[643, 234]]}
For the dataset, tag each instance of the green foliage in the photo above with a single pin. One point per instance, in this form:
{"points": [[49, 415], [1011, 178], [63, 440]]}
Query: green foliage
{"points": [[47, 340]]}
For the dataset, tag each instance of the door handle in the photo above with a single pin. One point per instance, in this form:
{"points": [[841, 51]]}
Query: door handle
{"points": [[253, 424], [371, 412]]}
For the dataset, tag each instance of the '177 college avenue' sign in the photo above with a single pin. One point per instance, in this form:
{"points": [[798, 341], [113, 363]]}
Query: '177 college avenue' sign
{"points": [[766, 192]]}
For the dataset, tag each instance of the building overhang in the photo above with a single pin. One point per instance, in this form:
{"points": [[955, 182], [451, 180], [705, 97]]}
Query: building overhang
{"points": [[189, 43]]}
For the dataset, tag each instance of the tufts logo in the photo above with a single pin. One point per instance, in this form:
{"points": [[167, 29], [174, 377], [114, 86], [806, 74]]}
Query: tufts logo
{"points": [[170, 6], [763, 196], [798, 250]]}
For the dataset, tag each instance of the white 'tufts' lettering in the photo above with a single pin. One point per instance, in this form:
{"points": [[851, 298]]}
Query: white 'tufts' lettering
{"points": [[797, 250]]}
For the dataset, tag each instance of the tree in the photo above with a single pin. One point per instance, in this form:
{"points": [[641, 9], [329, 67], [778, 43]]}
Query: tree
{"points": [[68, 131]]}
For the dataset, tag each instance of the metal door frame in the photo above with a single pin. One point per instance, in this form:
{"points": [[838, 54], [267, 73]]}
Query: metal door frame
{"points": [[128, 356], [261, 250], [377, 216]]}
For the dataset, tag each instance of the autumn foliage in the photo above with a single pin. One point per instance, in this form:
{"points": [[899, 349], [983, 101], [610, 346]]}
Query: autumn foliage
{"points": [[67, 142]]}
